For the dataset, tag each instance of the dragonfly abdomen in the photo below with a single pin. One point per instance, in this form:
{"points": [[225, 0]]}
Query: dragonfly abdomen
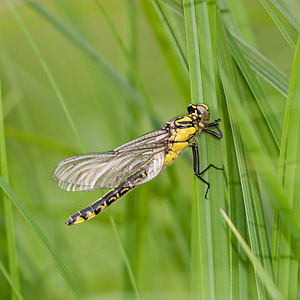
{"points": [[111, 196], [99, 205]]}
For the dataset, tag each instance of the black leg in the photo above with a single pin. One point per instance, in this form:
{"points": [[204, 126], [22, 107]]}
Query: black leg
{"points": [[216, 122], [215, 134], [196, 167]]}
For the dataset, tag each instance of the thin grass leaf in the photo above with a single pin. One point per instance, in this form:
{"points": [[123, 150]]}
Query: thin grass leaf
{"points": [[285, 10], [90, 51], [170, 47], [8, 214], [288, 258], [263, 67], [201, 44], [176, 6], [171, 34], [28, 217], [259, 63], [279, 24], [236, 16], [11, 281], [132, 65], [268, 282], [125, 256], [50, 77], [240, 274], [252, 204], [263, 165], [257, 90], [46, 70]]}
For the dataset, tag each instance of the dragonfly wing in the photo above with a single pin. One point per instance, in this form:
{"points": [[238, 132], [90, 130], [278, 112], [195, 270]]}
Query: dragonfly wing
{"points": [[88, 172], [148, 171]]}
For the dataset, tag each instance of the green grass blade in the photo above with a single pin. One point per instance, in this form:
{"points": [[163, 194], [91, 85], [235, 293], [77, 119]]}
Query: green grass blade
{"points": [[262, 163], [8, 214], [279, 24], [125, 256], [289, 169], [171, 33], [27, 216], [92, 53], [132, 65], [11, 281], [51, 78], [201, 44], [268, 282], [173, 52], [176, 6], [266, 108], [47, 71], [286, 11], [250, 194], [193, 51], [263, 67]]}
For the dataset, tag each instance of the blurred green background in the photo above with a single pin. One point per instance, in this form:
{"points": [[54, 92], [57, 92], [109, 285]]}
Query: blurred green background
{"points": [[95, 79]]}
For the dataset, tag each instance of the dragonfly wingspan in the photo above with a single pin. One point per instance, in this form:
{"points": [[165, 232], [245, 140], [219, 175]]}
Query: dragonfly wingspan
{"points": [[88, 172]]}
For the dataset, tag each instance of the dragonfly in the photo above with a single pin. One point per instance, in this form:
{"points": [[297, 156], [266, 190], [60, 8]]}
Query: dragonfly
{"points": [[135, 162]]}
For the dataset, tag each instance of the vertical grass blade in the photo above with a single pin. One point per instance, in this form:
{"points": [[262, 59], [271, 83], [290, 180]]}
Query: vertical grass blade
{"points": [[27, 216], [279, 24], [269, 284], [11, 281], [46, 70], [125, 256], [250, 195], [263, 67], [8, 214], [200, 23], [289, 170]]}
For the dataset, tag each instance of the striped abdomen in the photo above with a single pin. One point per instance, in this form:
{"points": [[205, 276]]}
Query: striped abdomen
{"points": [[141, 175], [95, 208]]}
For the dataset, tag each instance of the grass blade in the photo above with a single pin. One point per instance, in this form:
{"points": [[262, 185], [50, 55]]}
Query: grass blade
{"points": [[11, 281], [209, 264], [263, 67], [47, 71], [289, 169], [8, 214], [27, 216], [269, 284], [279, 24]]}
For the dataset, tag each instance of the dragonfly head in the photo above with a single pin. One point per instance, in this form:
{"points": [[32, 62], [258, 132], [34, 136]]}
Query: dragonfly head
{"points": [[200, 110]]}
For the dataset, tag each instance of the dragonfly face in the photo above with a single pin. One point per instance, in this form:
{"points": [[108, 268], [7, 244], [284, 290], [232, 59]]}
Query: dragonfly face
{"points": [[201, 111], [135, 162]]}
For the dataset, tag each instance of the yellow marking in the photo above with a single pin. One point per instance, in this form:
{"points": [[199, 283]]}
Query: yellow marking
{"points": [[111, 199], [170, 157], [79, 220], [178, 147], [183, 119], [124, 190], [205, 106], [144, 175], [183, 135], [91, 215], [100, 207], [117, 195], [137, 180]]}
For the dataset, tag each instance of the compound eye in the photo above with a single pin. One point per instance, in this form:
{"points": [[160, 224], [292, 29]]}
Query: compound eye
{"points": [[191, 108]]}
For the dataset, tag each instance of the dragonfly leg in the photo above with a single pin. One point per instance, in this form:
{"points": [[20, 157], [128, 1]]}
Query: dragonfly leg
{"points": [[214, 124], [196, 167]]}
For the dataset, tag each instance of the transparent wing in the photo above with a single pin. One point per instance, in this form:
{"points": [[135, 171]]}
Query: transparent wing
{"points": [[88, 172], [149, 170]]}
